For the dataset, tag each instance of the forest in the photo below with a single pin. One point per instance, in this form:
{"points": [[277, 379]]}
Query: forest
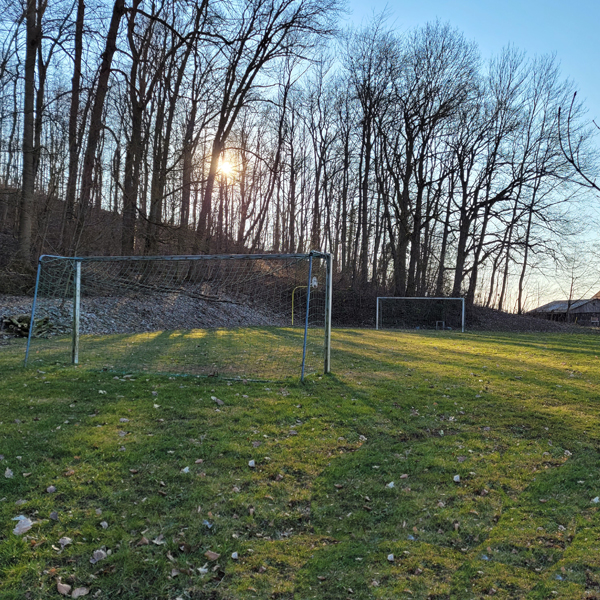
{"points": [[241, 126]]}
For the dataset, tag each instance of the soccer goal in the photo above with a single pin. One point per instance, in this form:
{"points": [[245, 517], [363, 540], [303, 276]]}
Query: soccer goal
{"points": [[420, 313], [247, 316]]}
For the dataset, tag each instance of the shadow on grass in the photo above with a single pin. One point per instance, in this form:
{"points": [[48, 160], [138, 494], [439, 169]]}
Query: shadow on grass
{"points": [[265, 353], [520, 513]]}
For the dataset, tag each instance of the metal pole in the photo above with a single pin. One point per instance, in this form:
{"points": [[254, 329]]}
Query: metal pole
{"points": [[377, 315], [31, 322], [306, 319], [76, 311], [463, 315], [328, 299]]}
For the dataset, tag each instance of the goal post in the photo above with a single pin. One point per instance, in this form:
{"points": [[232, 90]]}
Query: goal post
{"points": [[401, 312], [248, 316]]}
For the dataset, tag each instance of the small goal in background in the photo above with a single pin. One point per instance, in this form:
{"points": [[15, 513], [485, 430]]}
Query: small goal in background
{"points": [[238, 316], [395, 312]]}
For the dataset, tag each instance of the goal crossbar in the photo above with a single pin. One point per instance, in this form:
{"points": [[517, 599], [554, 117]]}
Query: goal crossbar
{"points": [[184, 257]]}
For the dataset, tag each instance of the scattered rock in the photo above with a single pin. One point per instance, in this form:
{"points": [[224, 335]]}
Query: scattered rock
{"points": [[97, 556], [104, 315], [24, 524], [63, 588]]}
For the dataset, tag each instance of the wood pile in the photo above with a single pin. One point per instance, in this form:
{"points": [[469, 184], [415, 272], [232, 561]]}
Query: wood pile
{"points": [[18, 325]]}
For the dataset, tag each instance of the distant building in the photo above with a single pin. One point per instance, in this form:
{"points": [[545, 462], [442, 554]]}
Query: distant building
{"points": [[582, 312]]}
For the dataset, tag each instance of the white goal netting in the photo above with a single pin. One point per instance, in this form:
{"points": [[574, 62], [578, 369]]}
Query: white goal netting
{"points": [[420, 313], [235, 316]]}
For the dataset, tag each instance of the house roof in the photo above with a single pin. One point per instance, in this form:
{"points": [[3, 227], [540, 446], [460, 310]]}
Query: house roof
{"points": [[561, 306]]}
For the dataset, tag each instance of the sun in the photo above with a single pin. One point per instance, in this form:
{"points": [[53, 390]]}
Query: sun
{"points": [[226, 168]]}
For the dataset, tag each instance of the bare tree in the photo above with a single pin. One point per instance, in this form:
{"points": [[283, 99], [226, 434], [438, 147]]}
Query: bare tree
{"points": [[34, 13], [73, 114], [95, 125], [575, 144], [256, 33]]}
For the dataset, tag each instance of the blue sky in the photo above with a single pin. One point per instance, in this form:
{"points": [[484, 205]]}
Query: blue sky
{"points": [[569, 29]]}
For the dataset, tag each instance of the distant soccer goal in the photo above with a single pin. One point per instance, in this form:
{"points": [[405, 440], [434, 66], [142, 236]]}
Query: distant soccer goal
{"points": [[420, 313], [247, 316]]}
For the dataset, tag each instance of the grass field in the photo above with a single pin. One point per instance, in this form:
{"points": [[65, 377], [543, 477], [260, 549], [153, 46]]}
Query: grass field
{"points": [[154, 471], [261, 352]]}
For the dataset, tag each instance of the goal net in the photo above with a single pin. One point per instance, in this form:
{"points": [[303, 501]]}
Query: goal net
{"points": [[420, 313], [234, 316]]}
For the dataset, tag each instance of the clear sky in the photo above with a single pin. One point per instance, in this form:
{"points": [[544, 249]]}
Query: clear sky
{"points": [[571, 29]]}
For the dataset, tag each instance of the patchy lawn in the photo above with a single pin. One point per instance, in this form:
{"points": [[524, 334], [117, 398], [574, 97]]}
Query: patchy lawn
{"points": [[430, 465]]}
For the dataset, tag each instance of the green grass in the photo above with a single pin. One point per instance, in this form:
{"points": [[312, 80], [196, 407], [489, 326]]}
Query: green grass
{"points": [[251, 352], [515, 416]]}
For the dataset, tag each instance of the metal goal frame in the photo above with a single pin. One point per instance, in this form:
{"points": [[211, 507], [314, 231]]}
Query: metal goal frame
{"points": [[77, 261], [419, 298]]}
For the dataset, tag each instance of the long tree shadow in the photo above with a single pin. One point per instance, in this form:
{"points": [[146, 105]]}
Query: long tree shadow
{"points": [[265, 353]]}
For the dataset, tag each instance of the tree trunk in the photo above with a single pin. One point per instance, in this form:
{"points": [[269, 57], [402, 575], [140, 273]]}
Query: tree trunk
{"points": [[203, 230], [33, 40], [73, 114], [95, 127], [439, 287]]}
